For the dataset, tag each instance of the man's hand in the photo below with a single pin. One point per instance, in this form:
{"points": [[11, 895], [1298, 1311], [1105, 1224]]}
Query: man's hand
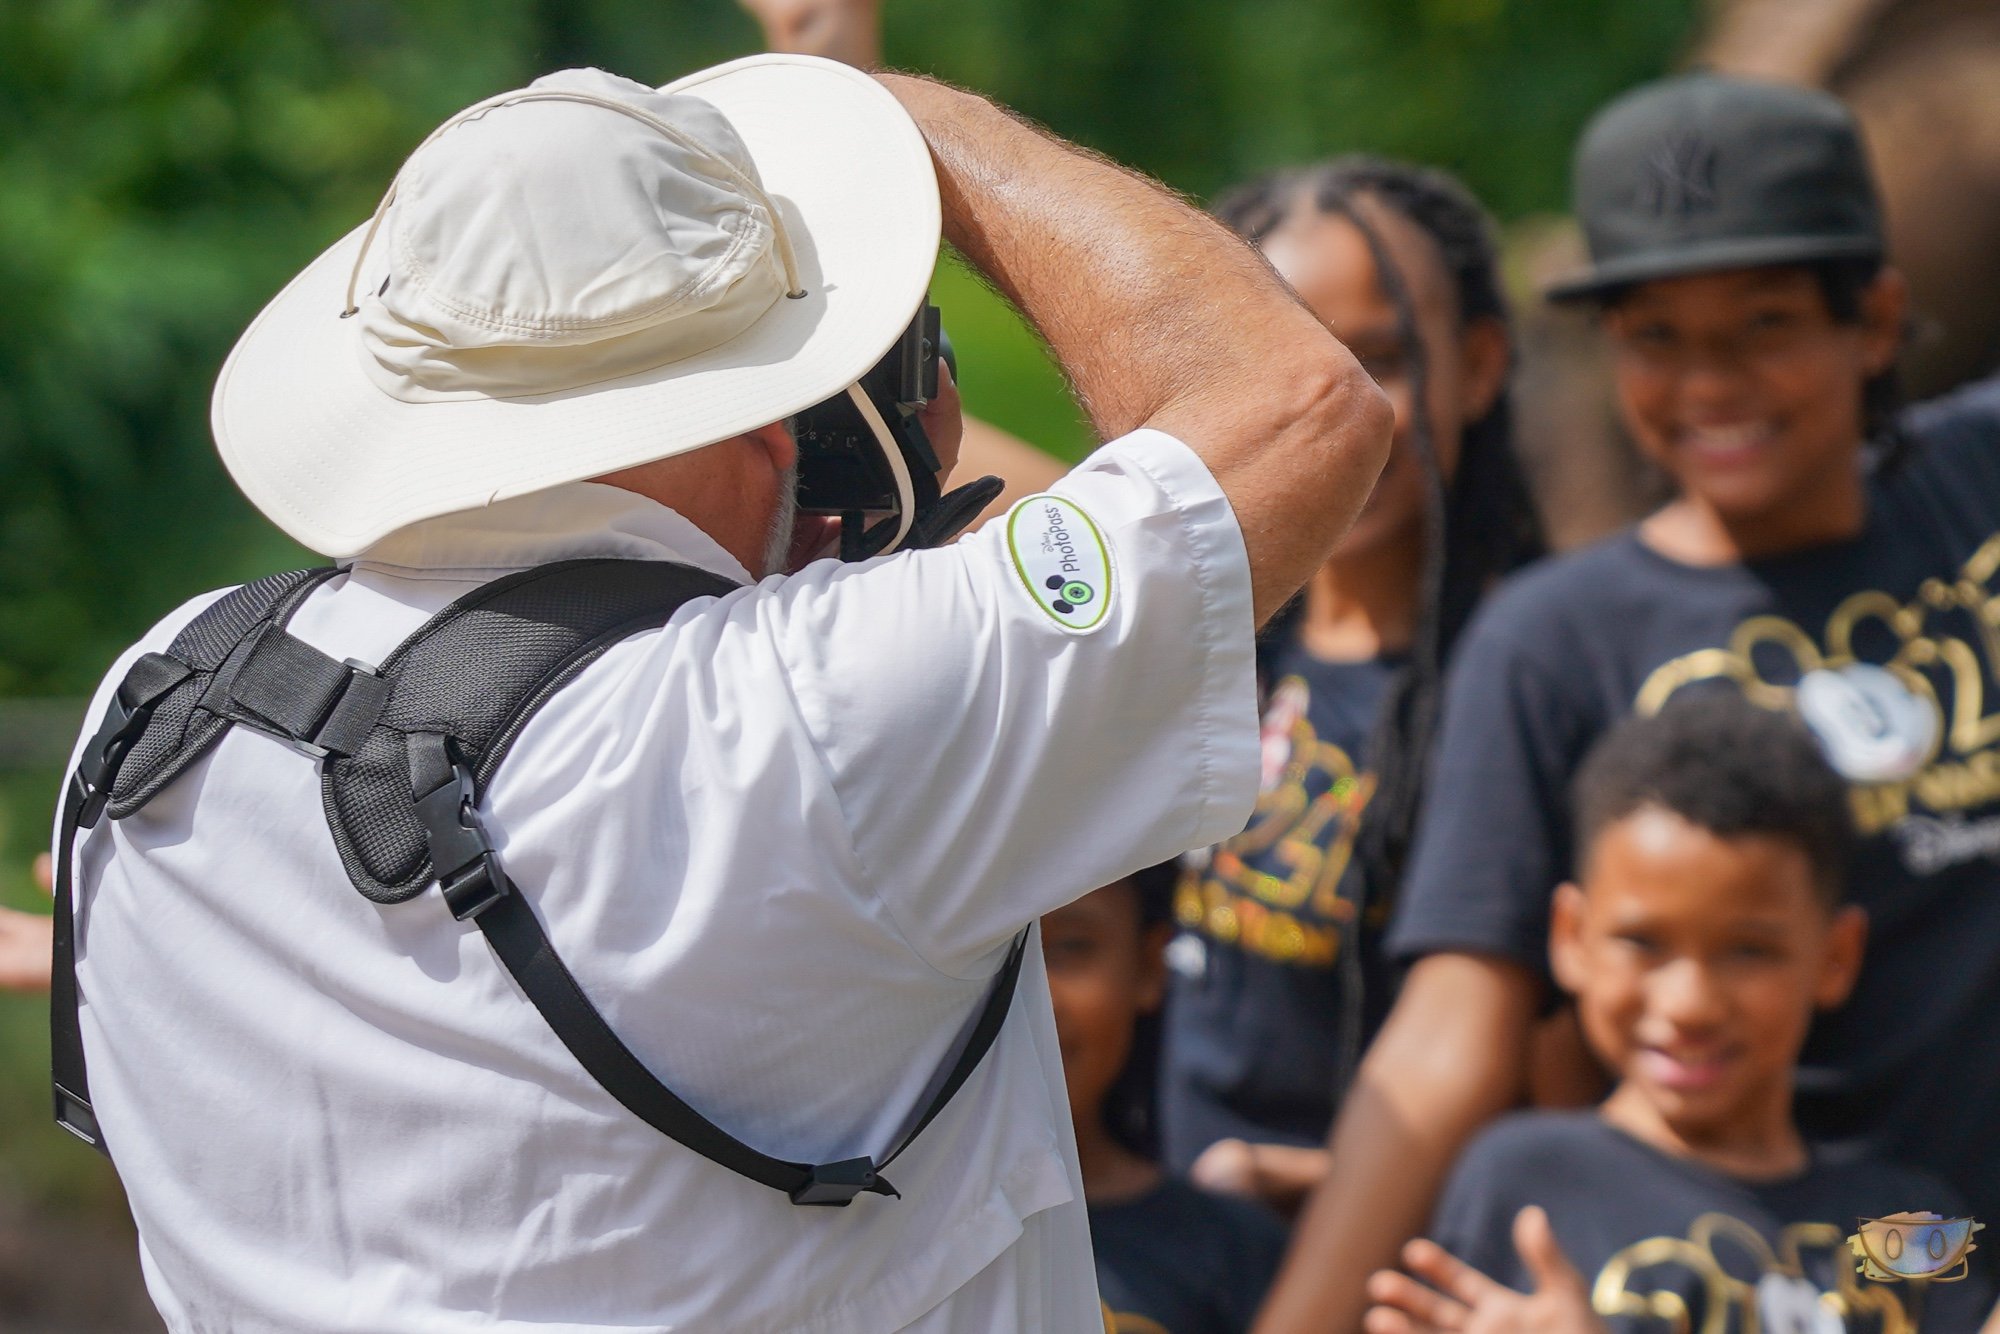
{"points": [[849, 31], [943, 420], [1461, 1300], [26, 941]]}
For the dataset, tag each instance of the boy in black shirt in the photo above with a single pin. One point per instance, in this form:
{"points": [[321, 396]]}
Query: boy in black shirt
{"points": [[1171, 1259], [1704, 933], [1821, 555]]}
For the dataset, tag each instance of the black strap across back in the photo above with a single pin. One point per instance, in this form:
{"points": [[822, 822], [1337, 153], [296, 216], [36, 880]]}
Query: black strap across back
{"points": [[406, 751]]}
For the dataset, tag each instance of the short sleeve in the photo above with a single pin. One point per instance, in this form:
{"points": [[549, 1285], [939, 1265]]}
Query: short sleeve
{"points": [[1002, 734], [1965, 422], [1956, 455], [1494, 838]]}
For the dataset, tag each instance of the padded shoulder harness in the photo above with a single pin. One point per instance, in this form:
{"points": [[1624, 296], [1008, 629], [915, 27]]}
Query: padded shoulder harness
{"points": [[407, 750]]}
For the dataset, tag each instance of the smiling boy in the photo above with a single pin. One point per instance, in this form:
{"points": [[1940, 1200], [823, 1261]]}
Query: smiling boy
{"points": [[1703, 933]]}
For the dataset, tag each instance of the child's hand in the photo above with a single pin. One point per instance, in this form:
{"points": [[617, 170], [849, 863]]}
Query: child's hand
{"points": [[1281, 1175], [1227, 1167], [1461, 1300]]}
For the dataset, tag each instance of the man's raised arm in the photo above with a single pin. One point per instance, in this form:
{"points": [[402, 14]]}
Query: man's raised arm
{"points": [[1162, 318]]}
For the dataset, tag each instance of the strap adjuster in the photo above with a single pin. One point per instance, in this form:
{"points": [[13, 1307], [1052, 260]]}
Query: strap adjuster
{"points": [[75, 1115], [837, 1184], [476, 888], [467, 869]]}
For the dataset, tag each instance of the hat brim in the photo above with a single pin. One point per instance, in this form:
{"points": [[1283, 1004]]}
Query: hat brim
{"points": [[338, 463], [1709, 257]]}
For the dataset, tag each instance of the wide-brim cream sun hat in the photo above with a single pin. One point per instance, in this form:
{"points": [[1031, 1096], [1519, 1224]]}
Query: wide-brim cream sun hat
{"points": [[578, 277]]}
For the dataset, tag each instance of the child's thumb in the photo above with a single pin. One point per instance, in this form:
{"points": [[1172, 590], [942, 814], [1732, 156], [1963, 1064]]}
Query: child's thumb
{"points": [[1535, 1239]]}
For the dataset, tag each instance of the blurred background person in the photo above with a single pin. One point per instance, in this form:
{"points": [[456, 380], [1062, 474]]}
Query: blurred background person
{"points": [[1821, 552], [1279, 975], [1169, 1256]]}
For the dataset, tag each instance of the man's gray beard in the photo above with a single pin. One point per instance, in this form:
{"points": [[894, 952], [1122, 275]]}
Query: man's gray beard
{"points": [[778, 543]]}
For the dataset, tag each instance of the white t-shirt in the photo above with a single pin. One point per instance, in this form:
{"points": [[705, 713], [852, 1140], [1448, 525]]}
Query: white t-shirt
{"points": [[782, 842]]}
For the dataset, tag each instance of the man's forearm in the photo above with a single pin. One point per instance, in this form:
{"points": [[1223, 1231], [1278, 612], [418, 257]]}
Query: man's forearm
{"points": [[1105, 263], [1161, 317]]}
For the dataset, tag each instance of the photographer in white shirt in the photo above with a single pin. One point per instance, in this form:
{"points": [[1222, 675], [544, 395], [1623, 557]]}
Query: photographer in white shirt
{"points": [[783, 841]]}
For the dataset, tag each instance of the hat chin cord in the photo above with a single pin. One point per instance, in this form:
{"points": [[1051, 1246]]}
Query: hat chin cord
{"points": [[899, 468]]}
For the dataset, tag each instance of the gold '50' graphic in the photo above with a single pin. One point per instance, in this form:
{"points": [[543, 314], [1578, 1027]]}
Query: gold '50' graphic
{"points": [[1274, 889], [1782, 1300], [1941, 670]]}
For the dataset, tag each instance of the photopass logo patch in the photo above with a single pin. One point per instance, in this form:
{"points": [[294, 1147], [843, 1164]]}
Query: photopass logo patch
{"points": [[1062, 560]]}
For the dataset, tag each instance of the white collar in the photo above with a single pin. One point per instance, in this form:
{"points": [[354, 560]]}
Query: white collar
{"points": [[560, 523]]}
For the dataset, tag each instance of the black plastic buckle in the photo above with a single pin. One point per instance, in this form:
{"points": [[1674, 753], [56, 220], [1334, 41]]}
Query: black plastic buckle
{"points": [[837, 1184], [462, 857], [105, 756]]}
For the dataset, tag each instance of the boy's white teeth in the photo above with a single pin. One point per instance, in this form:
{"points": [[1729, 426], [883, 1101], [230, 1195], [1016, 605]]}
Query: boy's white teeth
{"points": [[1729, 437]]}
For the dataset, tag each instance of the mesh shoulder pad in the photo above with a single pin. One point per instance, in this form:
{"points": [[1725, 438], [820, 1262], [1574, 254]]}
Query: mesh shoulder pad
{"points": [[181, 730], [475, 673]]}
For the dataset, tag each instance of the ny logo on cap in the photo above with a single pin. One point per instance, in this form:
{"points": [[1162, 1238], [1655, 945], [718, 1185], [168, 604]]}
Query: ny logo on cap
{"points": [[1680, 177]]}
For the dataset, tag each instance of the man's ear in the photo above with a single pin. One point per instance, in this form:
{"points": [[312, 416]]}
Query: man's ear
{"points": [[776, 440], [1566, 937], [1885, 312], [1846, 942], [1485, 352]]}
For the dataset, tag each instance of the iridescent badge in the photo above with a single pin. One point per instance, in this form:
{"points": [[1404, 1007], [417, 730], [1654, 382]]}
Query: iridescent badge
{"points": [[1914, 1245]]}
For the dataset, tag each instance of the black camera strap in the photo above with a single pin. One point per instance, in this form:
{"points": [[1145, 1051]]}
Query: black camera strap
{"points": [[406, 752]]}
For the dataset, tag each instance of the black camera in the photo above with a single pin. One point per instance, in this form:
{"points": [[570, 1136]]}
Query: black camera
{"points": [[863, 453]]}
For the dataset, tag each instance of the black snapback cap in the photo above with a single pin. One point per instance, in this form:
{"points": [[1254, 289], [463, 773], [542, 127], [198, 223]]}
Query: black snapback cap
{"points": [[1704, 172]]}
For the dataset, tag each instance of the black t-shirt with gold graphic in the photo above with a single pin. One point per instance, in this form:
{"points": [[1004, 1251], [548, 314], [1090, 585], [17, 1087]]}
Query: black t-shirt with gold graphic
{"points": [[1889, 646], [1179, 1260], [1253, 1023], [1638, 1223]]}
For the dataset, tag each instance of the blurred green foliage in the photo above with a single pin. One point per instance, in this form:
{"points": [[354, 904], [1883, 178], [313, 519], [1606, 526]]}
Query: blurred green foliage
{"points": [[166, 165]]}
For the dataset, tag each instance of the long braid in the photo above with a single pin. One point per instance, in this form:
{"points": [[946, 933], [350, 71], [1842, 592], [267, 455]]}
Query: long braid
{"points": [[1478, 527]]}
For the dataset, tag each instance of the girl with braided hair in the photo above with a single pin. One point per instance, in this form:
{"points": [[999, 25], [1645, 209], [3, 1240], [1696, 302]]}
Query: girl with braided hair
{"points": [[1278, 973]]}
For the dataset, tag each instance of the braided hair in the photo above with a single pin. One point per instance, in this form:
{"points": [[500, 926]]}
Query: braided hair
{"points": [[1478, 525]]}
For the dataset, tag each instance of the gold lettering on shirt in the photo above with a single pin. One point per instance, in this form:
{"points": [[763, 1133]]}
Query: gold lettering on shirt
{"points": [[1274, 889], [1941, 646], [1638, 1281]]}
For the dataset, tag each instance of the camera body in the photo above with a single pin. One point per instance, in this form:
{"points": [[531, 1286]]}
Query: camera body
{"points": [[843, 467], [863, 453]]}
